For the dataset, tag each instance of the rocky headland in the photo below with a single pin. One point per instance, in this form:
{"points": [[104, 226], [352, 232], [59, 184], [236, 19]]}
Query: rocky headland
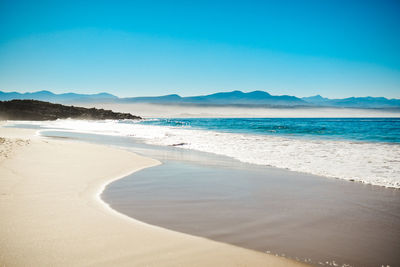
{"points": [[40, 110]]}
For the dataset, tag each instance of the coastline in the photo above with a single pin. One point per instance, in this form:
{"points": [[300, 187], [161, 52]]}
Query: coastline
{"points": [[349, 159], [55, 216], [307, 218]]}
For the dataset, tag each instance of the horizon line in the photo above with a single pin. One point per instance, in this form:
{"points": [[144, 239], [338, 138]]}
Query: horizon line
{"points": [[183, 96]]}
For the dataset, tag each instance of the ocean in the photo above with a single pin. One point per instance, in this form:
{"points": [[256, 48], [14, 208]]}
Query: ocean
{"points": [[386, 130], [249, 204], [355, 149]]}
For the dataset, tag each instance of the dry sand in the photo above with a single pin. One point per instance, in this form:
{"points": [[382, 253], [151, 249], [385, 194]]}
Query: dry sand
{"points": [[51, 213]]}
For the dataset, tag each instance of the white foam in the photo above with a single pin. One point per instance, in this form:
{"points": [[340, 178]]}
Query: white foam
{"points": [[371, 163]]}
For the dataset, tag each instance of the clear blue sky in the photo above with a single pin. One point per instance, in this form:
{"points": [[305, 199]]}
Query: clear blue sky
{"points": [[136, 48]]}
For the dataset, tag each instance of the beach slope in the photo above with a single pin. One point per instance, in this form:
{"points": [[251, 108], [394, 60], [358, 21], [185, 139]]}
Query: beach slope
{"points": [[51, 213]]}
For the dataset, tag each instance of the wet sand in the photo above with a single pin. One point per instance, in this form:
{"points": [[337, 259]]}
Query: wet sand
{"points": [[291, 214], [305, 217], [51, 213]]}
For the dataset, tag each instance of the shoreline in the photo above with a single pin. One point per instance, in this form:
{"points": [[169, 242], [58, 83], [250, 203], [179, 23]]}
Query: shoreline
{"points": [[69, 227], [348, 160], [130, 194], [235, 159], [287, 212]]}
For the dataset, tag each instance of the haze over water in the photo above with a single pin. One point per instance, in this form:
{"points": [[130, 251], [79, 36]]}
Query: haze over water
{"points": [[314, 180]]}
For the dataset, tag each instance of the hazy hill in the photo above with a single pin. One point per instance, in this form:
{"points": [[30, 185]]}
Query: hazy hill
{"points": [[256, 98], [251, 98], [317, 99], [153, 99], [351, 102], [60, 98], [223, 98]]}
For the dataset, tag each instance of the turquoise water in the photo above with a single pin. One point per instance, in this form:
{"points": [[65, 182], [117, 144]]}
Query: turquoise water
{"points": [[363, 150], [358, 129]]}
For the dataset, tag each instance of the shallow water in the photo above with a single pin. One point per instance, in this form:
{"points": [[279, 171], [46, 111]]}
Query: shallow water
{"points": [[285, 213], [305, 217], [313, 146]]}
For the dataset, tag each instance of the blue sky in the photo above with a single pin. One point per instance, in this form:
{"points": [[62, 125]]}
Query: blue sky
{"points": [[136, 48]]}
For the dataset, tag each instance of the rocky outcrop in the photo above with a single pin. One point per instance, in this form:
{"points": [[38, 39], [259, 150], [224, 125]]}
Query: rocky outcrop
{"points": [[39, 110]]}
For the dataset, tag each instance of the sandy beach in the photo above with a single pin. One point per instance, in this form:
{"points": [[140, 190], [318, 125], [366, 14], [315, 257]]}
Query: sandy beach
{"points": [[52, 213]]}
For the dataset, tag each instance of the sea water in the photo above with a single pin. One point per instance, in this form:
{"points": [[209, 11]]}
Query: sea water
{"points": [[355, 149], [267, 209], [368, 130]]}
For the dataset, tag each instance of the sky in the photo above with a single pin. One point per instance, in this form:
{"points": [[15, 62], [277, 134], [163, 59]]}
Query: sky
{"points": [[144, 48]]}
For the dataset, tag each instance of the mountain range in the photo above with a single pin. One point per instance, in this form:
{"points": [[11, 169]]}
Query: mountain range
{"points": [[255, 98], [51, 97]]}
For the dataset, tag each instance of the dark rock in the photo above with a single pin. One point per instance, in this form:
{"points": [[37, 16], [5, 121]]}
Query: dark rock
{"points": [[39, 110], [179, 144]]}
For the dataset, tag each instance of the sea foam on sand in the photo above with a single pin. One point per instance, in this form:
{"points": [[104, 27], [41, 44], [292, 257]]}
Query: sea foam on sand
{"points": [[367, 162], [52, 216]]}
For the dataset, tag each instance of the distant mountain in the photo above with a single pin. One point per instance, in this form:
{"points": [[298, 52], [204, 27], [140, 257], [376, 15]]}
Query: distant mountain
{"points": [[153, 99], [252, 98], [354, 102], [224, 98], [365, 102], [261, 98], [59, 98], [255, 98], [317, 99]]}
